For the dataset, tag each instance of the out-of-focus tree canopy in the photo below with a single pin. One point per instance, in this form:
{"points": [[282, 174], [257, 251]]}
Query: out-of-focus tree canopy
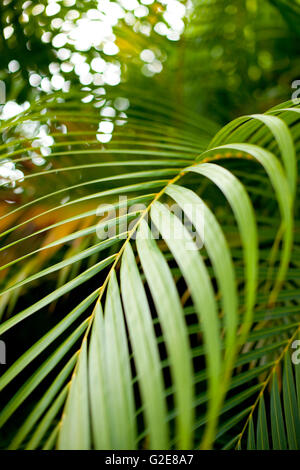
{"points": [[221, 57]]}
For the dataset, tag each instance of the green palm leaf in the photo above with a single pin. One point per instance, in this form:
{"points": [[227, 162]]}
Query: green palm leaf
{"points": [[155, 348]]}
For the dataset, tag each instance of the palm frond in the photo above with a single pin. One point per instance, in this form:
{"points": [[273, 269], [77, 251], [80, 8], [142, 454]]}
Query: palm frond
{"points": [[279, 428], [147, 356]]}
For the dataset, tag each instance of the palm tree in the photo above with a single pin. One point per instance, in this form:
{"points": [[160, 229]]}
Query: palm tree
{"points": [[150, 274]]}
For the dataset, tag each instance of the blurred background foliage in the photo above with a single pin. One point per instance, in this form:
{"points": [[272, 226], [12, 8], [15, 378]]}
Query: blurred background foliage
{"points": [[220, 58]]}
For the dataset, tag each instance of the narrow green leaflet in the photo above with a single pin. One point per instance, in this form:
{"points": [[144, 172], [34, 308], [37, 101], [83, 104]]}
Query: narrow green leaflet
{"points": [[214, 241], [75, 424], [243, 211], [195, 273], [262, 427], [277, 421], [145, 350], [98, 393], [171, 315], [118, 372], [290, 406]]}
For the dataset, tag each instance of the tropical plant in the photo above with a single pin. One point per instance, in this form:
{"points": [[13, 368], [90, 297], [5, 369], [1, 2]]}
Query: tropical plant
{"points": [[140, 339]]}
